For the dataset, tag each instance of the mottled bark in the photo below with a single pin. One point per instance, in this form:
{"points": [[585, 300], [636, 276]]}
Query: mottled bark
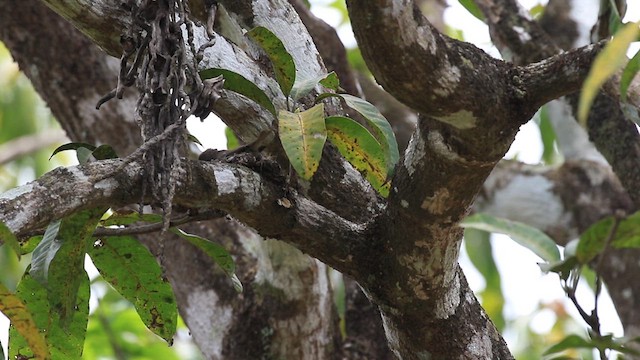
{"points": [[72, 99], [515, 34], [403, 250]]}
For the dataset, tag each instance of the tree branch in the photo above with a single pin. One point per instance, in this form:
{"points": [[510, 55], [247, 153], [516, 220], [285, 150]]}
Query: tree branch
{"points": [[232, 188], [29, 143]]}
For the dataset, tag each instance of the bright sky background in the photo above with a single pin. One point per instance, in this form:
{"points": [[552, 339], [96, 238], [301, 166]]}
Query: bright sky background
{"points": [[523, 283]]}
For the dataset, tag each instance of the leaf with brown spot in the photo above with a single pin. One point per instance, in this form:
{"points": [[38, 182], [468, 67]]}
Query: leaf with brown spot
{"points": [[134, 272]]}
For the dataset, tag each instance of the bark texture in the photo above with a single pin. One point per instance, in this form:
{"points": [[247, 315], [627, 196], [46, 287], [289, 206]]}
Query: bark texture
{"points": [[402, 251]]}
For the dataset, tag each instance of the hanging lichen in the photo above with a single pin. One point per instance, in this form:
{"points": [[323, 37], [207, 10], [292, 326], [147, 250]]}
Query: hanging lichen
{"points": [[163, 66]]}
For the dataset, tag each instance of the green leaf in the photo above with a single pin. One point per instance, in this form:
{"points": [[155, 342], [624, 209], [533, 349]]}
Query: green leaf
{"points": [[479, 249], [471, 6], [130, 217], [65, 338], [303, 135], [361, 149], [548, 137], [610, 59], [104, 152], [381, 128], [134, 272], [22, 321], [232, 139], [593, 240], [303, 87], [58, 261], [10, 240], [30, 244], [630, 71], [72, 146], [283, 64], [570, 342], [237, 83], [194, 139], [216, 252], [331, 81], [525, 235]]}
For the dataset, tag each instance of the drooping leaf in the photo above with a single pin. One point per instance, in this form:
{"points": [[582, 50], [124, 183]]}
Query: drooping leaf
{"points": [[361, 149], [10, 240], [239, 84], [58, 263], [44, 253], [216, 252], [22, 321], [134, 272], [479, 249], [283, 64], [615, 18], [629, 74], [64, 338], [303, 135], [610, 59], [303, 87], [471, 6], [379, 125], [570, 342], [525, 235]]}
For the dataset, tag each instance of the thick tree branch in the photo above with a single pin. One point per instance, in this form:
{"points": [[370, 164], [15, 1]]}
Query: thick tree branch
{"points": [[203, 293], [232, 188], [558, 75], [502, 22]]}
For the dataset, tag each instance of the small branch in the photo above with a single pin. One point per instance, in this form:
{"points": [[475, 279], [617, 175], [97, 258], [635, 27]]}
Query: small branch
{"points": [[28, 144], [156, 227], [558, 75]]}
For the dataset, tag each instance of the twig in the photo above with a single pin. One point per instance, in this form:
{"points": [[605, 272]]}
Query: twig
{"points": [[28, 144]]}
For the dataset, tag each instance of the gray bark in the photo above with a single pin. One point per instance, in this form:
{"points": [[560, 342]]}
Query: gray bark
{"points": [[403, 250]]}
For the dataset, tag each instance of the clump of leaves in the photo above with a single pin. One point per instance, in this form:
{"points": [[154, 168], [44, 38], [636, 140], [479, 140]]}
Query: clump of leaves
{"points": [[303, 132]]}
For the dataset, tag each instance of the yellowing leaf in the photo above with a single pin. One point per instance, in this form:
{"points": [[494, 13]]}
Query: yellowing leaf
{"points": [[303, 135], [378, 124], [612, 58], [361, 149], [22, 321]]}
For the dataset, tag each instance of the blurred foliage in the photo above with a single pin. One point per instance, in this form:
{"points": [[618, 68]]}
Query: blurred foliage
{"points": [[115, 331], [22, 112]]}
